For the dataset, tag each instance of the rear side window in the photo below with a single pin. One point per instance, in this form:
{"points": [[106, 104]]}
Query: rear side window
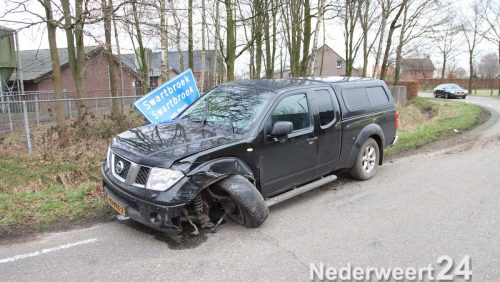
{"points": [[377, 96], [356, 98], [295, 109], [325, 106]]}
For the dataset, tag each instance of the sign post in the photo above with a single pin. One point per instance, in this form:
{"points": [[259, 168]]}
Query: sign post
{"points": [[168, 100]]}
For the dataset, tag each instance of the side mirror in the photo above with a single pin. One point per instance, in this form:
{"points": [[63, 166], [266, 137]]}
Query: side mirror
{"points": [[281, 129]]}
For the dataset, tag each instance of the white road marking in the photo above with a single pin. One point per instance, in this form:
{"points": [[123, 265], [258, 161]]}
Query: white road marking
{"points": [[48, 250]]}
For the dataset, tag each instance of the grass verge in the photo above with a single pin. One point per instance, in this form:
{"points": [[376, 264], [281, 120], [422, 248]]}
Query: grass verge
{"points": [[60, 183], [424, 121]]}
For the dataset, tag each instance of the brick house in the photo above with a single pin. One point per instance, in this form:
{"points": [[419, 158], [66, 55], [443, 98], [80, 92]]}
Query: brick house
{"points": [[328, 63], [37, 71]]}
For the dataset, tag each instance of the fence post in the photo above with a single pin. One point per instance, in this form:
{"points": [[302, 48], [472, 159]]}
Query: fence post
{"points": [[27, 127], [37, 111], [66, 108], [10, 115]]}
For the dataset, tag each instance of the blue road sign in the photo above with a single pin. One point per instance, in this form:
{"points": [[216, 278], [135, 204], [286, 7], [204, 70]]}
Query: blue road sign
{"points": [[168, 100]]}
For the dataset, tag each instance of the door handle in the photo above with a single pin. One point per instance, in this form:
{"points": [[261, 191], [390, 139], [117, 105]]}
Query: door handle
{"points": [[311, 140]]}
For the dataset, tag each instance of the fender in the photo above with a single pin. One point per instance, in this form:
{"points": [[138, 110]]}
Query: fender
{"points": [[369, 130], [213, 171]]}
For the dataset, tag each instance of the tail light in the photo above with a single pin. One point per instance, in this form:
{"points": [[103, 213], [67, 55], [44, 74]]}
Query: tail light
{"points": [[396, 118]]}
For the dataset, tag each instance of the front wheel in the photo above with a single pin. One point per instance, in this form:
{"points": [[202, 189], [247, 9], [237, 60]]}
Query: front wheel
{"points": [[242, 202], [366, 161]]}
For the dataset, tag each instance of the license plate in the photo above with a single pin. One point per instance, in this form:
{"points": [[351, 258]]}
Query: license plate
{"points": [[117, 206]]}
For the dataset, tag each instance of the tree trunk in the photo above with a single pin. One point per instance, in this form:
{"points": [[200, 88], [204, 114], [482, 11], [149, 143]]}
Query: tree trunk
{"points": [[392, 28], [215, 63], [443, 67], [190, 35], [202, 69], [178, 37], [307, 38], [321, 4], [106, 10], [164, 42], [56, 65], [76, 53], [383, 23], [230, 40], [399, 49], [144, 68], [471, 70], [259, 18], [120, 66]]}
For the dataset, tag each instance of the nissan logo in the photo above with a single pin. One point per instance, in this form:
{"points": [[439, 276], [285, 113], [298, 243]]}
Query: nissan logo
{"points": [[119, 166]]}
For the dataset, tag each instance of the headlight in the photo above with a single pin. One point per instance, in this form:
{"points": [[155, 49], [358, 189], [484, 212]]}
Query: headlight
{"points": [[108, 158], [161, 179]]}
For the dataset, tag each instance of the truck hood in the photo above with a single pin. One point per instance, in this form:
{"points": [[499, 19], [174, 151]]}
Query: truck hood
{"points": [[162, 145]]}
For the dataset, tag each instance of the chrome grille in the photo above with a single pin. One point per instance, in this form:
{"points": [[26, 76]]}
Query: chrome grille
{"points": [[121, 166], [142, 176], [129, 172]]}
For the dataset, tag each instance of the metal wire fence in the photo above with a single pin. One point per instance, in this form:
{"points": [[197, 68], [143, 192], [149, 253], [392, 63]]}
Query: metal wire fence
{"points": [[21, 115]]}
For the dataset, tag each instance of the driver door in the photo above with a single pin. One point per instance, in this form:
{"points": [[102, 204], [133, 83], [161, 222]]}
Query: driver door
{"points": [[293, 161]]}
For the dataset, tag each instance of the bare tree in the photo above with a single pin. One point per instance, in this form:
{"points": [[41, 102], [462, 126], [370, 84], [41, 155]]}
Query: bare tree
{"points": [[73, 26], [349, 13], [319, 22], [488, 66], [445, 38], [106, 12], [417, 23], [203, 51], [474, 31], [164, 41], [369, 13], [56, 65], [394, 25]]}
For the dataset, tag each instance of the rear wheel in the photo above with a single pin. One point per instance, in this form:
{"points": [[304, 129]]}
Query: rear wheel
{"points": [[366, 161], [241, 201]]}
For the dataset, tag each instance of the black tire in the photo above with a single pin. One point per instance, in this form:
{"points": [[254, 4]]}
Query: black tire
{"points": [[246, 198], [367, 160], [465, 96]]}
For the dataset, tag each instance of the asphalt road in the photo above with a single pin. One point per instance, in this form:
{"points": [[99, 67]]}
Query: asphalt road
{"points": [[418, 208]]}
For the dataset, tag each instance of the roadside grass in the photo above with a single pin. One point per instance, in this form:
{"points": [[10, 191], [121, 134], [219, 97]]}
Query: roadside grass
{"points": [[425, 120], [60, 182]]}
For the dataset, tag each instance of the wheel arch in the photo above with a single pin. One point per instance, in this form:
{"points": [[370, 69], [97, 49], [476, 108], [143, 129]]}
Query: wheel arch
{"points": [[216, 170], [370, 131]]}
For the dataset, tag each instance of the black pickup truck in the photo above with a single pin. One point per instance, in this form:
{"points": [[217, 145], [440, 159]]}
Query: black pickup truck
{"points": [[247, 145]]}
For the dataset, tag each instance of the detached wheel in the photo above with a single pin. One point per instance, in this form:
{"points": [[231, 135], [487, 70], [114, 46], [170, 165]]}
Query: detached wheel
{"points": [[242, 203], [366, 161]]}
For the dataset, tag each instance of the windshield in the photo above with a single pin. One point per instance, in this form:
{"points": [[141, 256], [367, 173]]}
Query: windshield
{"points": [[453, 86], [229, 106]]}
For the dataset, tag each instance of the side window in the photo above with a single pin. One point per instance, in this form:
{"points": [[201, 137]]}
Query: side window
{"points": [[294, 109], [356, 98], [325, 106], [377, 96]]}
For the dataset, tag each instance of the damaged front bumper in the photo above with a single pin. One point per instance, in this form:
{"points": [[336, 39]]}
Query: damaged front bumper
{"points": [[163, 217]]}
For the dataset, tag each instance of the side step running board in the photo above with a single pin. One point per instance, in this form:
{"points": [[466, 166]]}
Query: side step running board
{"points": [[300, 190]]}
